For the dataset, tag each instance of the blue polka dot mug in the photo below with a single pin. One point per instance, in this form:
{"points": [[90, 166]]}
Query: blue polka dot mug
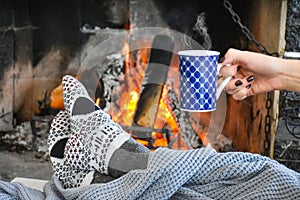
{"points": [[198, 80]]}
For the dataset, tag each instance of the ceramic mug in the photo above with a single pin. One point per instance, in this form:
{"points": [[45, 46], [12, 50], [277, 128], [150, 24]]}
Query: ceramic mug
{"points": [[199, 90]]}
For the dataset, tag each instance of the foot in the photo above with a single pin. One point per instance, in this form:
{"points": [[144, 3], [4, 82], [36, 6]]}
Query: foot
{"points": [[74, 91], [57, 140], [95, 137]]}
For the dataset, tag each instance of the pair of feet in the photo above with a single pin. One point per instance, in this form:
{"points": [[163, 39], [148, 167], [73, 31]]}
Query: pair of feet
{"points": [[82, 138]]}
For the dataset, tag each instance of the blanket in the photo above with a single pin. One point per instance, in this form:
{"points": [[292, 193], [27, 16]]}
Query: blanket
{"points": [[175, 174]]}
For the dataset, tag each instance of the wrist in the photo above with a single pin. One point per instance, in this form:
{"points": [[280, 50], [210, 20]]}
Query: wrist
{"points": [[289, 75]]}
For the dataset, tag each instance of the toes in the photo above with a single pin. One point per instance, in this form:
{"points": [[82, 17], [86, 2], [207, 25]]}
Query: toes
{"points": [[72, 90]]}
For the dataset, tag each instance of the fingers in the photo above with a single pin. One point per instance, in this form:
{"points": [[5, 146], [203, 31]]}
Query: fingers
{"points": [[232, 58], [240, 88], [230, 70], [241, 94]]}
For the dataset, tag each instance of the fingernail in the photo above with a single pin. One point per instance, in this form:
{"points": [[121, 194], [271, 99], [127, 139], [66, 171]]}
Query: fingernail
{"points": [[238, 83], [250, 78], [248, 86], [238, 68], [222, 59]]}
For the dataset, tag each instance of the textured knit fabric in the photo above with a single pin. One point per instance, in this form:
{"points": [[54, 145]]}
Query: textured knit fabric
{"points": [[91, 138], [72, 90], [94, 139], [14, 191], [59, 130], [192, 174]]}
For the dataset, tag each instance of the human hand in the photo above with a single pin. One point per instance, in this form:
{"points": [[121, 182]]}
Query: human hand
{"points": [[252, 73]]}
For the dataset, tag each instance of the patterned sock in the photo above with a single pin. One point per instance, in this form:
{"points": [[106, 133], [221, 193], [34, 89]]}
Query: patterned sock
{"points": [[127, 158], [58, 136], [72, 91], [95, 137]]}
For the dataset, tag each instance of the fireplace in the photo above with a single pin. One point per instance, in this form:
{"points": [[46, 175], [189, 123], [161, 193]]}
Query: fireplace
{"points": [[44, 41]]}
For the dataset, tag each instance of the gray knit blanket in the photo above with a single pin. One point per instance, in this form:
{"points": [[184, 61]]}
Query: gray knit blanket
{"points": [[174, 174]]}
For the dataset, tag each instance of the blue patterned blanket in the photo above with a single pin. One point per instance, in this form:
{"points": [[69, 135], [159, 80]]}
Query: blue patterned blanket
{"points": [[173, 174]]}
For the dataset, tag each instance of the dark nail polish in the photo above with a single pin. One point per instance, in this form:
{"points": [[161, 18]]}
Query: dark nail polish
{"points": [[250, 78], [238, 83], [222, 59], [248, 86], [238, 68]]}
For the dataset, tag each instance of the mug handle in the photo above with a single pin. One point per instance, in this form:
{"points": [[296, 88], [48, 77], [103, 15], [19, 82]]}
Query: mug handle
{"points": [[223, 83]]}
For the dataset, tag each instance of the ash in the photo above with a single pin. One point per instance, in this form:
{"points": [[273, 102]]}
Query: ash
{"points": [[23, 140], [111, 73], [189, 136]]}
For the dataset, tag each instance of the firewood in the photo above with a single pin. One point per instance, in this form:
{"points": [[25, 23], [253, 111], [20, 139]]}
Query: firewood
{"points": [[153, 83]]}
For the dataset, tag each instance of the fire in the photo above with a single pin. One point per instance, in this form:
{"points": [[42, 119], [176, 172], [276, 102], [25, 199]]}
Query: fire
{"points": [[128, 97], [56, 98], [164, 117], [126, 53], [97, 102], [204, 139], [127, 108], [129, 92]]}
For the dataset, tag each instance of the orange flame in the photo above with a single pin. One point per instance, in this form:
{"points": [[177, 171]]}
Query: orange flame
{"points": [[97, 102], [125, 51], [129, 96]]}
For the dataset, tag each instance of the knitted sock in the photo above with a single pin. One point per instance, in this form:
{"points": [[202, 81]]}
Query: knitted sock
{"points": [[58, 136], [95, 137], [129, 156]]}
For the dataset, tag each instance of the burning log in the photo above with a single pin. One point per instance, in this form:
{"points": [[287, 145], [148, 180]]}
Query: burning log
{"points": [[153, 83]]}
